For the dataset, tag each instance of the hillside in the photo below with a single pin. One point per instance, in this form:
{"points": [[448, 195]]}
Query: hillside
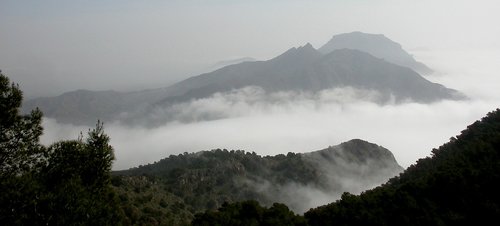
{"points": [[458, 185], [377, 45], [175, 188]]}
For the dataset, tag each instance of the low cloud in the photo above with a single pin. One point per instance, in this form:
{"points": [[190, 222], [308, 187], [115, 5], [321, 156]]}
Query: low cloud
{"points": [[274, 123], [409, 130], [337, 174], [253, 101]]}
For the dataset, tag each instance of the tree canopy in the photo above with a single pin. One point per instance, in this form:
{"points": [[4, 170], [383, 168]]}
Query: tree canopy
{"points": [[66, 183], [457, 185]]}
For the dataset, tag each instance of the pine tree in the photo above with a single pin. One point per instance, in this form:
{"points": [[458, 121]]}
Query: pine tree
{"points": [[67, 183]]}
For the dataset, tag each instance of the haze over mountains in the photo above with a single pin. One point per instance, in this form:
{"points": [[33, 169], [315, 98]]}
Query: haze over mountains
{"points": [[146, 69], [224, 63], [377, 45], [298, 70]]}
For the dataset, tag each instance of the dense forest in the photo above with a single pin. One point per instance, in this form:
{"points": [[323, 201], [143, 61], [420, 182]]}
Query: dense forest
{"points": [[182, 185]]}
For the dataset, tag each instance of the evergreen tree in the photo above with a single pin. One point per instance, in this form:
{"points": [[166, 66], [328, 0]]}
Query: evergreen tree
{"points": [[67, 183], [249, 213], [20, 156], [20, 150], [77, 182]]}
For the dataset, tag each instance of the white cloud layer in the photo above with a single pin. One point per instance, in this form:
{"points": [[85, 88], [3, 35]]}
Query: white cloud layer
{"points": [[270, 124], [410, 131]]}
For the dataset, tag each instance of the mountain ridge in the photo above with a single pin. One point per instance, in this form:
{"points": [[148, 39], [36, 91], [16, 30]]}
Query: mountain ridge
{"points": [[378, 45], [205, 180], [296, 70], [456, 185]]}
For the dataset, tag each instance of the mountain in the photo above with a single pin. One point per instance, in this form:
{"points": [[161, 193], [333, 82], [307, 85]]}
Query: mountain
{"points": [[85, 107], [80, 106], [225, 63], [458, 185], [305, 69], [192, 182], [302, 69], [377, 45]]}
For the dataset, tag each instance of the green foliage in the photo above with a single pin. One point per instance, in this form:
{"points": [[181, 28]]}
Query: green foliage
{"points": [[146, 202], [20, 150], [67, 183], [20, 156], [458, 185], [205, 180], [249, 213], [77, 179]]}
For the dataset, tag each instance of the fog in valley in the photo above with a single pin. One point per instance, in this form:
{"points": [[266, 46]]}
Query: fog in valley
{"points": [[55, 47], [270, 124]]}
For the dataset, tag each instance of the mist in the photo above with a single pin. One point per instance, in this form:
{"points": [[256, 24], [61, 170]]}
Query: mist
{"points": [[59, 46], [340, 174], [277, 123], [54, 47]]}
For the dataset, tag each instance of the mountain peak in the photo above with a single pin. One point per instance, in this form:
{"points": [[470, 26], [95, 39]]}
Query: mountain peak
{"points": [[360, 33], [360, 38], [306, 53], [307, 46], [377, 45], [360, 151]]}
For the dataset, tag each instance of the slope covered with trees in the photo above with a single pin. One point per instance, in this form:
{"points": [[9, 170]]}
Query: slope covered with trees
{"points": [[182, 185], [458, 185]]}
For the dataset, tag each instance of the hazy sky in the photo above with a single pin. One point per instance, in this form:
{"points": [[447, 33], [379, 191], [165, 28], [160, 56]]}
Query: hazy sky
{"points": [[50, 47], [54, 46]]}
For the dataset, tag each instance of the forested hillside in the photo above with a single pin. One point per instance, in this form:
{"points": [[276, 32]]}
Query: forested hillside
{"points": [[177, 187], [457, 185]]}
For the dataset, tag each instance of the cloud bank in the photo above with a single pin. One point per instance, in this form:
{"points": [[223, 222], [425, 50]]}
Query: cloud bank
{"points": [[275, 123]]}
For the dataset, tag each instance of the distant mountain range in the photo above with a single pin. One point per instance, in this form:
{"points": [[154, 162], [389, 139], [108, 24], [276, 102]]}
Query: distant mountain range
{"points": [[190, 183], [377, 45], [302, 69], [225, 63]]}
